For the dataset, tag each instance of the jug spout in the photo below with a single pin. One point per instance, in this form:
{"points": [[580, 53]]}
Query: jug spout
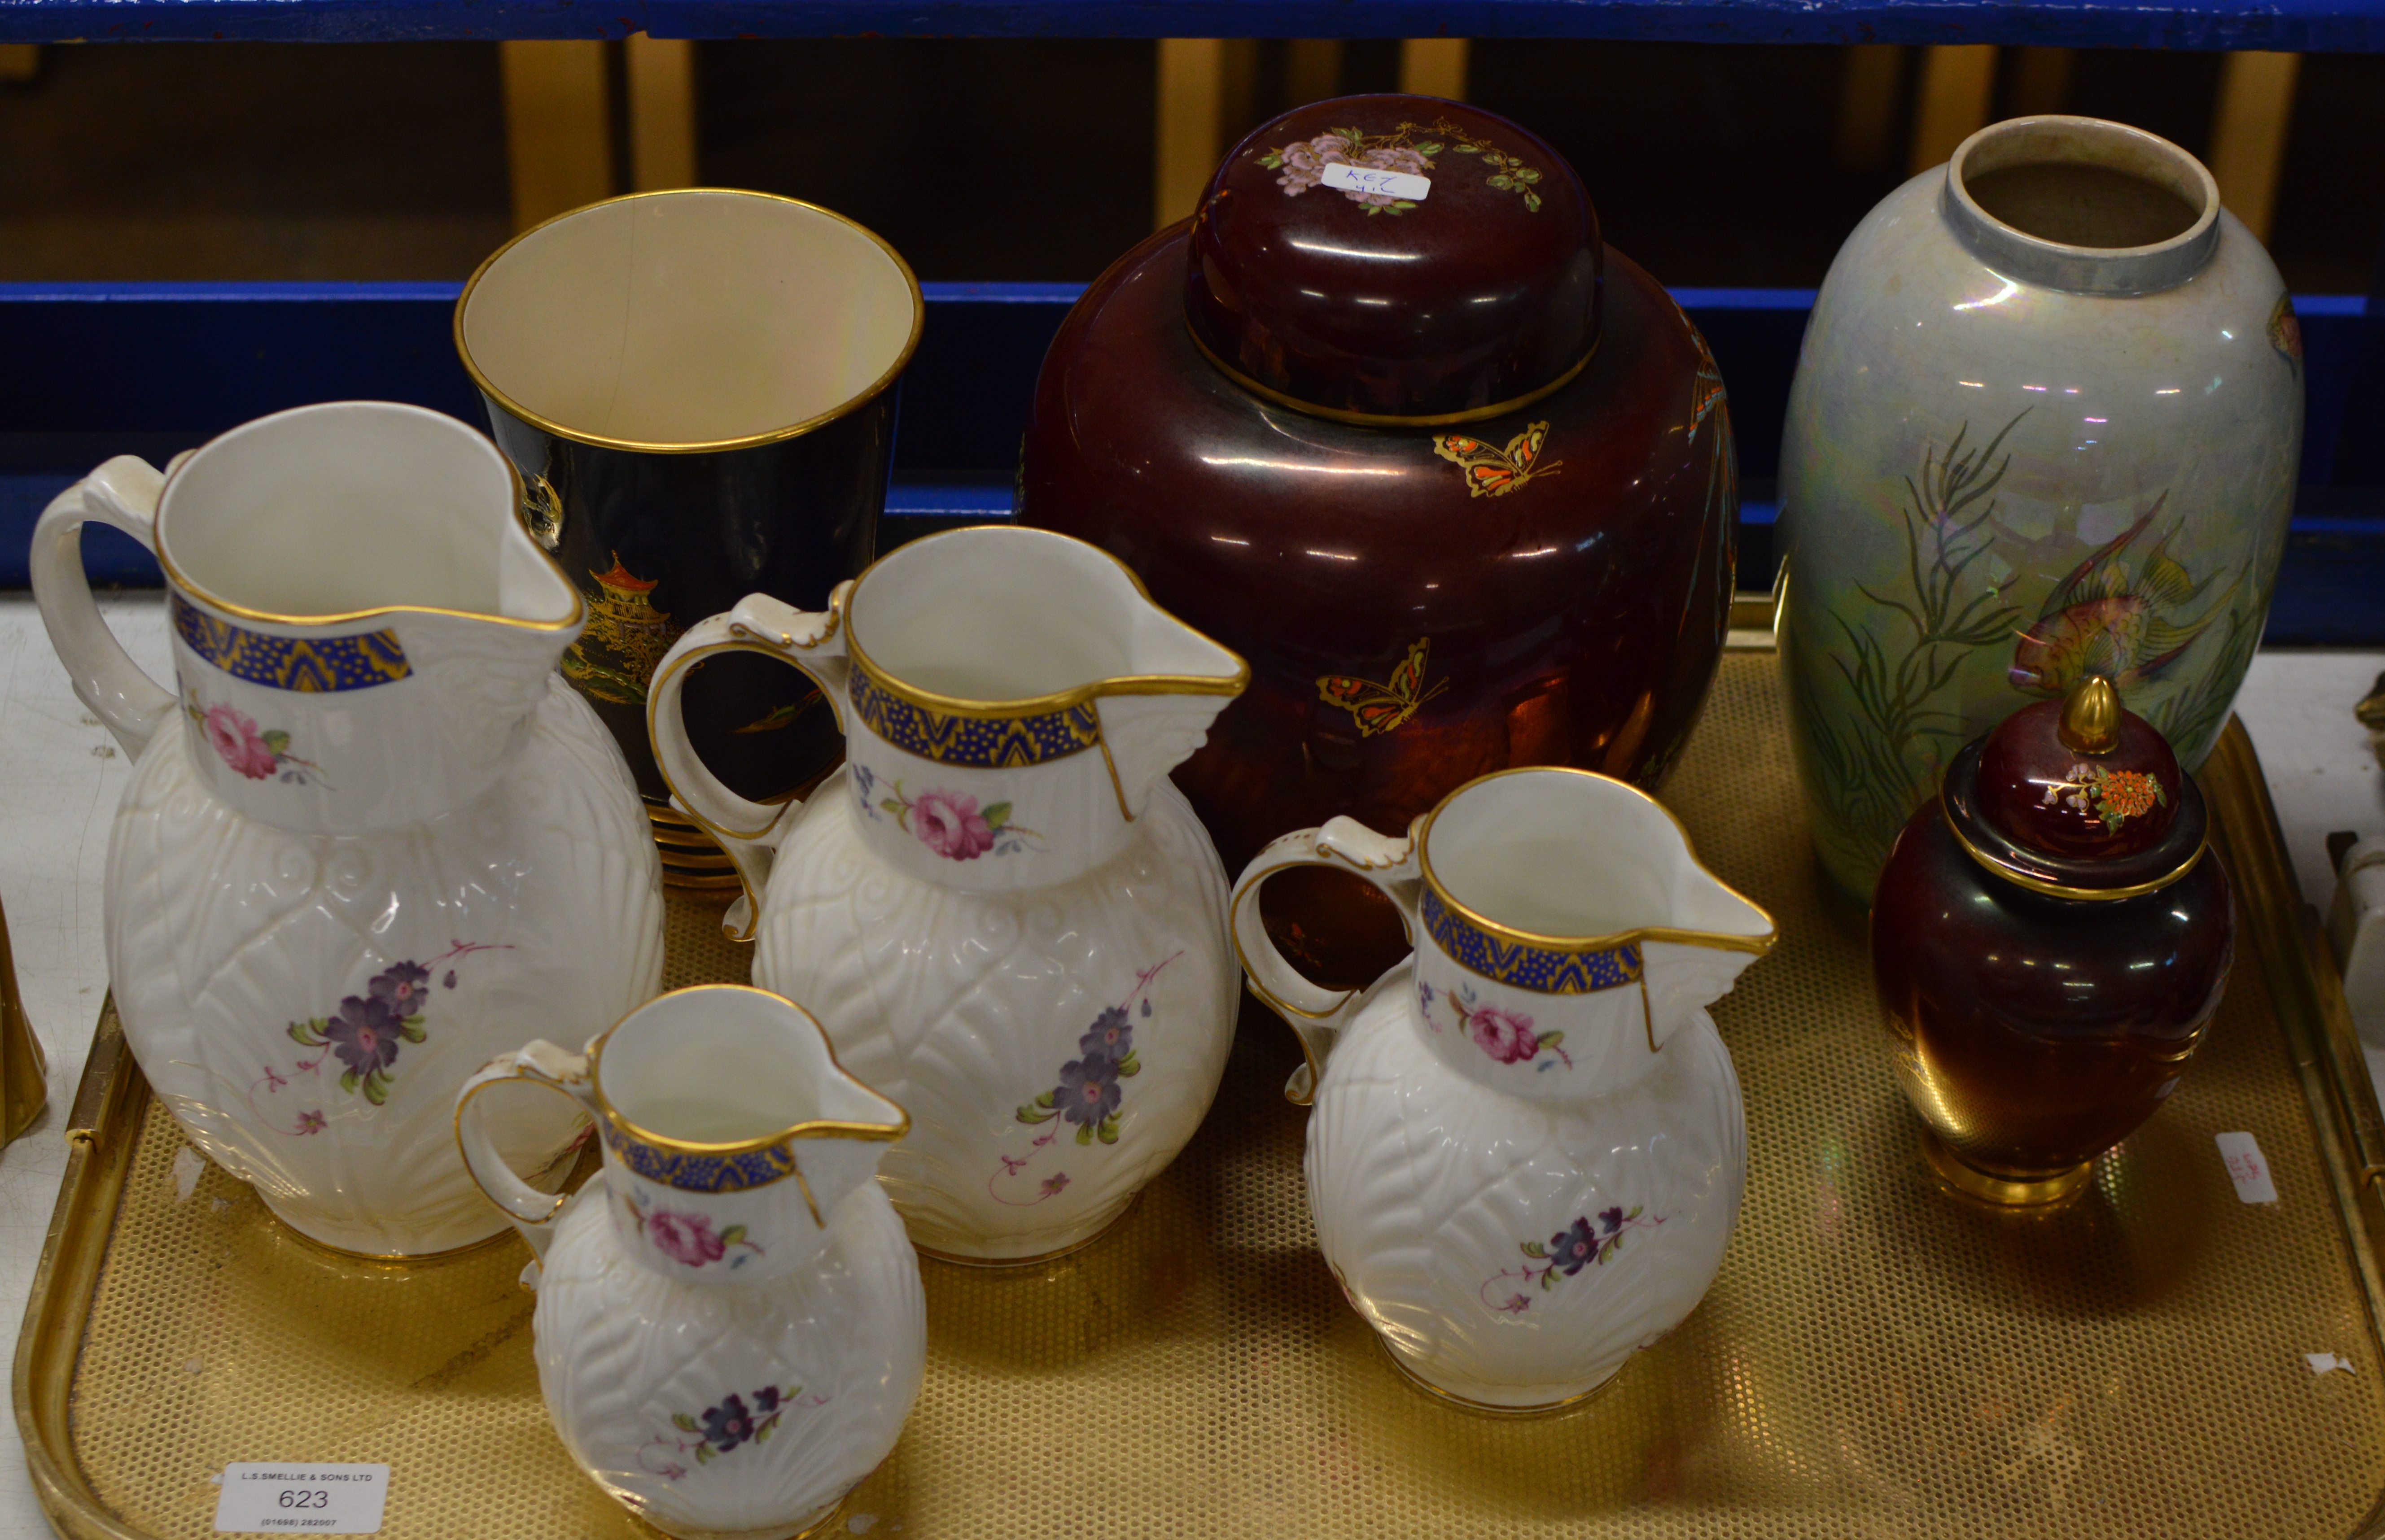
{"points": [[1155, 719]]}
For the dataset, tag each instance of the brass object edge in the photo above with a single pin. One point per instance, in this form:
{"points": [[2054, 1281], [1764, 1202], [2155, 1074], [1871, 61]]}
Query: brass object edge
{"points": [[2312, 1018], [1387, 419], [2005, 1194], [752, 441], [108, 1105]]}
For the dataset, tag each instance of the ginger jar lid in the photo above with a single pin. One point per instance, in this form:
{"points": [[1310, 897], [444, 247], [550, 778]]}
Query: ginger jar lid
{"points": [[1397, 259], [2078, 797]]}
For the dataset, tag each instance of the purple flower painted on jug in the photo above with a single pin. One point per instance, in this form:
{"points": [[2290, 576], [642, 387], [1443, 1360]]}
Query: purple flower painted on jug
{"points": [[401, 986], [1112, 1037], [364, 1034], [1587, 1241], [1088, 1095], [721, 1429], [1088, 1092]]}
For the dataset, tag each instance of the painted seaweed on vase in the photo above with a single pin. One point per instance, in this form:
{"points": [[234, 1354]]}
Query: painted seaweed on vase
{"points": [[1874, 764], [1901, 649]]}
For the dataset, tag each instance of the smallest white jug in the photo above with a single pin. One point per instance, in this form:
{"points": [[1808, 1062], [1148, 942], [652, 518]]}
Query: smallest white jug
{"points": [[729, 1331], [1528, 1148]]}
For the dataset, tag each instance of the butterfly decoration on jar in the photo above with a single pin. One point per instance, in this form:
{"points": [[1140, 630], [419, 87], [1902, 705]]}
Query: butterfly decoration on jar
{"points": [[1381, 708], [1497, 472]]}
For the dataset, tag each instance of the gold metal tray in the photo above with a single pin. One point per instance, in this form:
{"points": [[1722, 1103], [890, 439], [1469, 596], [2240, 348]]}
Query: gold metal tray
{"points": [[1875, 1358]]}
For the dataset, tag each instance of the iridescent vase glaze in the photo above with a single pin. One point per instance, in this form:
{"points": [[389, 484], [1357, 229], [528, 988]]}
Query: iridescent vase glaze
{"points": [[2050, 939], [2045, 424], [1455, 476]]}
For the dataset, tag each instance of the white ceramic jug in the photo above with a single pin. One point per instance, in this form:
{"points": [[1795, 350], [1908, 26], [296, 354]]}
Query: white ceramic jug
{"points": [[729, 1330], [1528, 1148], [1001, 909], [371, 838]]}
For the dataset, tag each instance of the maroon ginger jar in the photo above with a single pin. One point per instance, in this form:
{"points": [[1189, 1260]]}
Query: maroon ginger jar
{"points": [[1386, 418], [2050, 938]]}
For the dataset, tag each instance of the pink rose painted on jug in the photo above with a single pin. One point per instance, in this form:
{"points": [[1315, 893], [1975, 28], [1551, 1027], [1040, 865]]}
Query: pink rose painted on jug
{"points": [[684, 1238], [1505, 1035], [235, 738], [951, 825], [260, 755]]}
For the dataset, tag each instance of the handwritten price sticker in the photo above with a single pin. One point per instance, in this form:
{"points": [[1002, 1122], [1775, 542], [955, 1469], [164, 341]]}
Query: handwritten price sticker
{"points": [[2246, 1168], [262, 1498], [1369, 178]]}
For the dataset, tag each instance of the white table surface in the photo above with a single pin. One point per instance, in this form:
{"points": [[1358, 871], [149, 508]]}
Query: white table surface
{"points": [[60, 776]]}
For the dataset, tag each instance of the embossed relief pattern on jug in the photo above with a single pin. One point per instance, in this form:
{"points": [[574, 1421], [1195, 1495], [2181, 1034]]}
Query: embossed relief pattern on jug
{"points": [[756, 1404], [1991, 483], [934, 995], [245, 958], [371, 836], [1432, 1192]]}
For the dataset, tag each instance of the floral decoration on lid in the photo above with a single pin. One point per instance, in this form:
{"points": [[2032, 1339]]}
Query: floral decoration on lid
{"points": [[2080, 777], [1395, 257]]}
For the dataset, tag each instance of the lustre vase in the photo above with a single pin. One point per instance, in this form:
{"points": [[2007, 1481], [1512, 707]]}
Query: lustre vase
{"points": [[2046, 423]]}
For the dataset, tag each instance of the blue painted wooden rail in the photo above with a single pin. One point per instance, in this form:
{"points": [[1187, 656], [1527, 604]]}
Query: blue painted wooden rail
{"points": [[89, 370], [2310, 26]]}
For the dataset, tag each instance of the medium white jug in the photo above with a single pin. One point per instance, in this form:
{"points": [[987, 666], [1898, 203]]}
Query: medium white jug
{"points": [[1528, 1148], [1003, 914]]}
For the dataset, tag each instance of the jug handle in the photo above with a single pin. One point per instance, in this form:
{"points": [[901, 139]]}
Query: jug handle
{"points": [[1316, 1013], [811, 641], [542, 1063], [122, 493]]}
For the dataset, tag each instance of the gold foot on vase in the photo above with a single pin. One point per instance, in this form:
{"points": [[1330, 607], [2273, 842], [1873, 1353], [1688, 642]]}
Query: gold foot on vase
{"points": [[1492, 1409], [694, 863], [1968, 1181], [1008, 1264]]}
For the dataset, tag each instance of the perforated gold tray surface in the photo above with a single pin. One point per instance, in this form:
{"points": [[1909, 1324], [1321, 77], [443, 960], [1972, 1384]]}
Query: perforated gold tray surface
{"points": [[1875, 1358]]}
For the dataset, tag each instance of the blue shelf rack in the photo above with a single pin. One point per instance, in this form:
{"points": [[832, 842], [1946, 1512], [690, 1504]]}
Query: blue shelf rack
{"points": [[2299, 26], [88, 370]]}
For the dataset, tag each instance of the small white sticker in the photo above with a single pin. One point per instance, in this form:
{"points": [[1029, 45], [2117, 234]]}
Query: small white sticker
{"points": [[2246, 1168], [1372, 178], [2327, 1363], [272, 1497]]}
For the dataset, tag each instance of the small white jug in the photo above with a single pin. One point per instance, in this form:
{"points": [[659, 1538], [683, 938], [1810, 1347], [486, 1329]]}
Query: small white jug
{"points": [[729, 1330], [1528, 1148]]}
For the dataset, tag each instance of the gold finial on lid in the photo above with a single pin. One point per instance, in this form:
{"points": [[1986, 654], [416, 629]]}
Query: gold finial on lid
{"points": [[2091, 716]]}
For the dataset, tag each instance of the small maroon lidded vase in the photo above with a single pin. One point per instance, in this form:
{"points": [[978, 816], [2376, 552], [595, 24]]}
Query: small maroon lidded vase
{"points": [[1389, 418], [2050, 938]]}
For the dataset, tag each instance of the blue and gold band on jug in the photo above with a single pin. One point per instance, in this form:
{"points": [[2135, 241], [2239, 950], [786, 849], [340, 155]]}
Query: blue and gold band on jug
{"points": [[690, 1171], [311, 666], [982, 742], [1545, 969]]}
